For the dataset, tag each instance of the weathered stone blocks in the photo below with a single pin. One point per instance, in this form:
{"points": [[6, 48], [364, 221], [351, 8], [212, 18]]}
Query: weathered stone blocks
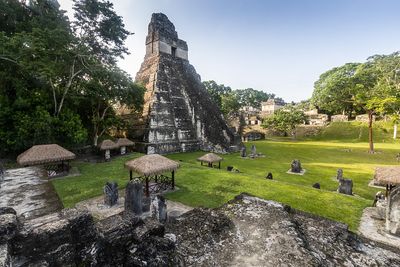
{"points": [[8, 226], [393, 212], [134, 197], [295, 166], [111, 193]]}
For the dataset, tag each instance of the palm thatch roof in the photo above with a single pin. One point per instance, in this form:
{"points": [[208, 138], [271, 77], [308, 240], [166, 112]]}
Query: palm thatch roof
{"points": [[107, 145], [153, 164], [210, 158], [42, 154], [388, 175], [124, 142]]}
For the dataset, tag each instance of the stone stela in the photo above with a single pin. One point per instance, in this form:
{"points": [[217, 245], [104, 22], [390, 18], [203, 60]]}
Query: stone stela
{"points": [[345, 185], [111, 193]]}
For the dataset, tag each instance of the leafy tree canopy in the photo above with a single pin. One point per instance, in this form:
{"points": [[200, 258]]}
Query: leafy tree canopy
{"points": [[285, 120], [56, 76]]}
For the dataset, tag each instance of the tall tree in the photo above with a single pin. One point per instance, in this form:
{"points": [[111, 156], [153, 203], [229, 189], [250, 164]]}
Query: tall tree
{"points": [[217, 91], [388, 87], [285, 120], [50, 71], [334, 90], [251, 97], [365, 80], [105, 90]]}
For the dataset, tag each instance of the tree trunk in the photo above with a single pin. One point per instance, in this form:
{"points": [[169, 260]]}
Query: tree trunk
{"points": [[370, 138], [395, 131]]}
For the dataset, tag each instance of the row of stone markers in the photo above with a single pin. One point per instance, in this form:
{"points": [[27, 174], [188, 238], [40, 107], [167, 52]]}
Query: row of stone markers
{"points": [[253, 152], [135, 203], [345, 184]]}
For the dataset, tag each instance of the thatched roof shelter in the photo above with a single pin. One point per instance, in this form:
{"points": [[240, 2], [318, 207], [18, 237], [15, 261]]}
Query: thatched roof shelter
{"points": [[43, 154], [389, 175], [210, 158], [108, 145], [124, 142], [153, 164]]}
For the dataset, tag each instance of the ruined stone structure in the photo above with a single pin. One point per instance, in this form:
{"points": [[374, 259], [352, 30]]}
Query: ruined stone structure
{"points": [[271, 105], [110, 193], [393, 212], [73, 238], [178, 114], [247, 231]]}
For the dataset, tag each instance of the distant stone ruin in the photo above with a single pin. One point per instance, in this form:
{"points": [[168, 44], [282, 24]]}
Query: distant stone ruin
{"points": [[178, 113]]}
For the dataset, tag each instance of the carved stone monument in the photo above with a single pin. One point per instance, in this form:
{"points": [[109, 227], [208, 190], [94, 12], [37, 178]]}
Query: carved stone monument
{"points": [[345, 186], [111, 193], [243, 152], [178, 113], [158, 208], [339, 174], [133, 197], [296, 166], [393, 212], [253, 150]]}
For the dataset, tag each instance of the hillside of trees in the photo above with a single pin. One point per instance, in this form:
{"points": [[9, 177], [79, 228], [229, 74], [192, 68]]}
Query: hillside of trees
{"points": [[59, 79], [371, 87]]}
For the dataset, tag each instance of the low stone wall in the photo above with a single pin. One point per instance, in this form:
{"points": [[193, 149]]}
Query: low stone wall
{"points": [[364, 118], [308, 130], [339, 118]]}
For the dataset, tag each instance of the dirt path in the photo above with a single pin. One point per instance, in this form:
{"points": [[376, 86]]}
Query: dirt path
{"points": [[30, 195]]}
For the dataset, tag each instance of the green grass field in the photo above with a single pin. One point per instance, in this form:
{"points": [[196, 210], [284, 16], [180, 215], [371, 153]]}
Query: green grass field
{"points": [[208, 187]]}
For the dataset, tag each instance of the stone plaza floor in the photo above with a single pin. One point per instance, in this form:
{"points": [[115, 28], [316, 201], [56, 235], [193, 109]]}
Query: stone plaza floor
{"points": [[30, 194]]}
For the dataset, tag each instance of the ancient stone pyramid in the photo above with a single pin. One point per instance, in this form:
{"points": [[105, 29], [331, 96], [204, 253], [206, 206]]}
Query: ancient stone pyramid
{"points": [[178, 113]]}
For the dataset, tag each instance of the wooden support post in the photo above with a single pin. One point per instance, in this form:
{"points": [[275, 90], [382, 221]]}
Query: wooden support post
{"points": [[147, 187], [201, 163], [155, 178], [219, 165], [173, 179], [130, 175], [387, 191]]}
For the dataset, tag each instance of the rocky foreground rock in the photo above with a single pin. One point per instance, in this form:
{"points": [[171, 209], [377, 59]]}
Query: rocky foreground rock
{"points": [[247, 231]]}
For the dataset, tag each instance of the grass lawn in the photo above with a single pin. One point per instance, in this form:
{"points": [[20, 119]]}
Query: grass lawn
{"points": [[207, 187]]}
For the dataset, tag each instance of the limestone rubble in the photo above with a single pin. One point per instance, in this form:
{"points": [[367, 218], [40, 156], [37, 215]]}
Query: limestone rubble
{"points": [[247, 231]]}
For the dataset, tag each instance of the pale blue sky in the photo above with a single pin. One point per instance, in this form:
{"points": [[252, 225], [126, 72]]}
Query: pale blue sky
{"points": [[279, 46]]}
